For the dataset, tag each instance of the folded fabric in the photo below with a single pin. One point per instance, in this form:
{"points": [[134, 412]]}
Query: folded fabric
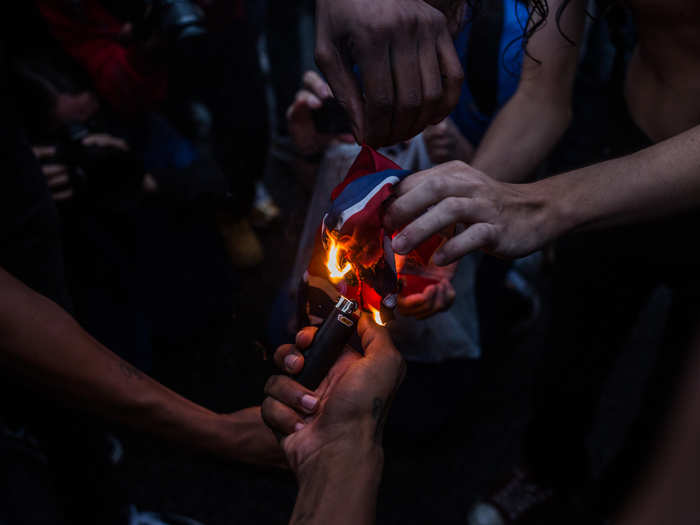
{"points": [[352, 255]]}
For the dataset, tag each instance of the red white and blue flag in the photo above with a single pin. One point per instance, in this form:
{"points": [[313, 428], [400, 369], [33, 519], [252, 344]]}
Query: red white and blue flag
{"points": [[354, 221]]}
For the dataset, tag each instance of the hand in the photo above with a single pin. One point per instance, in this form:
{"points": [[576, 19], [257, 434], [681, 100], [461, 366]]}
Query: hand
{"points": [[345, 415], [78, 107], [104, 140], [411, 75], [299, 116], [505, 220], [445, 142], [434, 299], [57, 176]]}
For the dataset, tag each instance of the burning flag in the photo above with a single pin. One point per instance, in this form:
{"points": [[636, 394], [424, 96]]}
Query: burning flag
{"points": [[353, 256]]}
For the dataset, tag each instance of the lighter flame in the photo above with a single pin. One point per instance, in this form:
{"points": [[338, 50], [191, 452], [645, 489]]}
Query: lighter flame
{"points": [[377, 316], [334, 271]]}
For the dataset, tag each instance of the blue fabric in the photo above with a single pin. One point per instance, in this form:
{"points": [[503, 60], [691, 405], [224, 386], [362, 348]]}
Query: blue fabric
{"points": [[359, 189], [470, 121], [164, 147]]}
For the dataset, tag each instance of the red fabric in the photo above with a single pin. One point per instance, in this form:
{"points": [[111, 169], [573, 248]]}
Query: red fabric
{"points": [[120, 73], [363, 234]]}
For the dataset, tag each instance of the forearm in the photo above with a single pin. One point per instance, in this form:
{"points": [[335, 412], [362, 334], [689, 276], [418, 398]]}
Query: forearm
{"points": [[341, 488], [521, 136], [657, 181], [42, 345]]}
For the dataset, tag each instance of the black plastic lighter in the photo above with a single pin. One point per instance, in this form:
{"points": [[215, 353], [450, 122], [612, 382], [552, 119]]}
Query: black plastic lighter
{"points": [[328, 343]]}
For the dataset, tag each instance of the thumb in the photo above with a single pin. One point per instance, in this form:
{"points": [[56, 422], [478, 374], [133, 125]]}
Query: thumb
{"points": [[376, 341], [343, 83]]}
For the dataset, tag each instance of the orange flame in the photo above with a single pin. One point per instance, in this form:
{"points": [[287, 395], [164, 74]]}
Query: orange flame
{"points": [[335, 272], [377, 316]]}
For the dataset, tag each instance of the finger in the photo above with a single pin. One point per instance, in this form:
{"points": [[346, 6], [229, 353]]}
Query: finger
{"points": [[51, 170], [305, 336], [427, 309], [346, 137], [287, 391], [103, 139], [434, 173], [431, 83], [342, 82], [480, 236], [316, 85], [289, 359], [443, 214], [408, 92], [56, 181], [43, 152], [303, 103], [63, 195], [378, 82], [442, 301], [414, 302], [307, 99], [279, 417], [451, 75], [376, 341]]}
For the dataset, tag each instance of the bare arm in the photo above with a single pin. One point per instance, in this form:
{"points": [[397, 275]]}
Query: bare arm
{"points": [[340, 487], [332, 436], [512, 220], [43, 345], [534, 119]]}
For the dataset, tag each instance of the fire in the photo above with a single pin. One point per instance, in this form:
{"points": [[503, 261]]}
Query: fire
{"points": [[377, 316], [334, 271]]}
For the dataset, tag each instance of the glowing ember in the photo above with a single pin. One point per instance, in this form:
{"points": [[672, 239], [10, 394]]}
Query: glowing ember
{"points": [[377, 316], [334, 271]]}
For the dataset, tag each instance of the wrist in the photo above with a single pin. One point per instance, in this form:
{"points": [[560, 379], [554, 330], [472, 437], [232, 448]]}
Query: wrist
{"points": [[339, 485], [243, 436], [559, 208], [343, 460]]}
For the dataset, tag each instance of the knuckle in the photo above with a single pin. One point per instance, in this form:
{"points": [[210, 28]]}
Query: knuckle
{"points": [[437, 20], [458, 166], [379, 29], [382, 104], [323, 56], [453, 206], [484, 235], [411, 101], [437, 185], [433, 97], [309, 77], [267, 410], [271, 384]]}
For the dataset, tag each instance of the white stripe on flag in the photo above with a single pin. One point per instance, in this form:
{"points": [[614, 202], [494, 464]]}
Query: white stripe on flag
{"points": [[352, 210]]}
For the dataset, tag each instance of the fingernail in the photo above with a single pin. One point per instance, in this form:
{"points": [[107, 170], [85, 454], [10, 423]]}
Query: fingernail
{"points": [[299, 426], [290, 361], [308, 402], [399, 243]]}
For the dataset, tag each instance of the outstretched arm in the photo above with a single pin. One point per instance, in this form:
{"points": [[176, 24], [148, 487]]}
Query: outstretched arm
{"points": [[43, 345], [512, 220], [534, 119]]}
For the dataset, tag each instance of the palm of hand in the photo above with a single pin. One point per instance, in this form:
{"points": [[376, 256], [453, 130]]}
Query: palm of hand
{"points": [[346, 410]]}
